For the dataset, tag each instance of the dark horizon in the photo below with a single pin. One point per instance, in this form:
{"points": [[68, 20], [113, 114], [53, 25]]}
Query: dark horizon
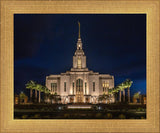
{"points": [[113, 44]]}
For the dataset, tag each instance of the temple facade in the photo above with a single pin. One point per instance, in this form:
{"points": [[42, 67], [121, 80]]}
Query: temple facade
{"points": [[80, 85]]}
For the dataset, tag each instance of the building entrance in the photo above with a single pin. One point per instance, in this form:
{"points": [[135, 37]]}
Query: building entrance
{"points": [[79, 90]]}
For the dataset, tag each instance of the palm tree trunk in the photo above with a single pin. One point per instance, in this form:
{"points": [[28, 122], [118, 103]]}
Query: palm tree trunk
{"points": [[120, 96], [128, 95], [30, 95], [35, 95], [39, 96], [124, 95]]}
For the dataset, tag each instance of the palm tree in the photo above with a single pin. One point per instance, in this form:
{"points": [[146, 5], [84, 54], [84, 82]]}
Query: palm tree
{"points": [[123, 86], [35, 87], [115, 92], [40, 88], [128, 84], [123, 89], [35, 94], [30, 85], [46, 92], [120, 89]]}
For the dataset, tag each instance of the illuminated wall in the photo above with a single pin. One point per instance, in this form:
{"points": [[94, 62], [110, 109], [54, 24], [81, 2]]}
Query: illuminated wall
{"points": [[93, 82]]}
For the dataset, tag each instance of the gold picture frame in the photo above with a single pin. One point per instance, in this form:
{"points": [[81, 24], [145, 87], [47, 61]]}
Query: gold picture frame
{"points": [[10, 7]]}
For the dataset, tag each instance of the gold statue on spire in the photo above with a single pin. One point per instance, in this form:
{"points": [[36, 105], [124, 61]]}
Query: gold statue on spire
{"points": [[79, 35]]}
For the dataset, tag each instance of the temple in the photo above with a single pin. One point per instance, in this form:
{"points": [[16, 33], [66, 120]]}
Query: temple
{"points": [[80, 85]]}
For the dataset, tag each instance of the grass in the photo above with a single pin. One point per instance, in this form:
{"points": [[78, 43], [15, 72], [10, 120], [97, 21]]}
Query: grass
{"points": [[59, 111]]}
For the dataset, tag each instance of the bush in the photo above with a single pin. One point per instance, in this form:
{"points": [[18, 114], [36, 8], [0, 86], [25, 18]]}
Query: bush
{"points": [[36, 116], [142, 117], [46, 117], [131, 118], [121, 116], [24, 116], [108, 116], [89, 115], [43, 109], [140, 109], [98, 115], [66, 115]]}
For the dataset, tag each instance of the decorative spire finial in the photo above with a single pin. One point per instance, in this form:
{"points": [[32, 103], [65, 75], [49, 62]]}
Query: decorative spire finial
{"points": [[79, 35]]}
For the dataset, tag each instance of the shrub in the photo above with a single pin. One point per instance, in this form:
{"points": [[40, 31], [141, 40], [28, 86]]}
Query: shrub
{"points": [[131, 118], [24, 116], [142, 117], [98, 115], [66, 115], [109, 116], [46, 117], [89, 115], [121, 116], [36, 116], [140, 109]]}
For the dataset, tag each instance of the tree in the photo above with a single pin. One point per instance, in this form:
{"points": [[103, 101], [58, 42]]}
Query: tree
{"points": [[22, 97], [54, 97], [122, 87], [136, 95], [128, 84], [37, 87], [30, 85], [100, 98], [115, 92], [40, 88], [46, 92], [103, 97]]}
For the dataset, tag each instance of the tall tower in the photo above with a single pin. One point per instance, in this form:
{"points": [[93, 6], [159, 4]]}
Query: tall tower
{"points": [[79, 58]]}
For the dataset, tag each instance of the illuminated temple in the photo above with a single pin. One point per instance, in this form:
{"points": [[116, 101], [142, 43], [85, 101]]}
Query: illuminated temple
{"points": [[80, 85]]}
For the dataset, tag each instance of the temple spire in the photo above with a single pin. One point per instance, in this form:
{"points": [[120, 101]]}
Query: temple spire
{"points": [[79, 34], [79, 43]]}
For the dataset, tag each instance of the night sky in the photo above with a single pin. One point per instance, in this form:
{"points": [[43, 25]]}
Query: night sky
{"points": [[113, 44]]}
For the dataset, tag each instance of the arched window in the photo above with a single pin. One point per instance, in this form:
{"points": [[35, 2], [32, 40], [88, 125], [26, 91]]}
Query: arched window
{"points": [[79, 90], [79, 85]]}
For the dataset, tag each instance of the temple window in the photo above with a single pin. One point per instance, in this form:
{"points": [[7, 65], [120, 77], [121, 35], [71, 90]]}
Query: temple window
{"points": [[79, 63], [64, 86], [85, 88], [105, 86], [73, 87], [93, 86], [53, 87], [79, 85]]}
